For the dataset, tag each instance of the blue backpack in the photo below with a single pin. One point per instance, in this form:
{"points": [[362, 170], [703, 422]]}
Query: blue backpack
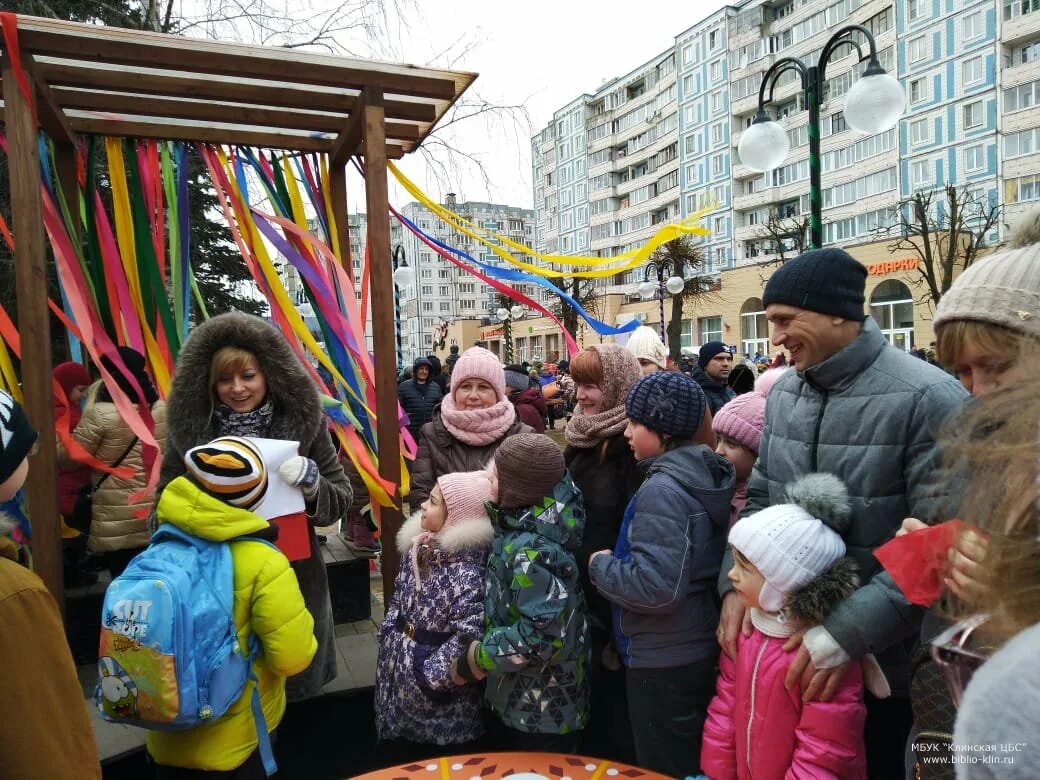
{"points": [[169, 657]]}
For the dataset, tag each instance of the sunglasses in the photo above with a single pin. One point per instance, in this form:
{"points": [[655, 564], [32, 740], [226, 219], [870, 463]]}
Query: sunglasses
{"points": [[959, 651]]}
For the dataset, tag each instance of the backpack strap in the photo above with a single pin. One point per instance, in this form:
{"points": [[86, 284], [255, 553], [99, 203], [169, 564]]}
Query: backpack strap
{"points": [[263, 737]]}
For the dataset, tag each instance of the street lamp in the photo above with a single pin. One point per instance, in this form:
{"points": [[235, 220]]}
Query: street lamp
{"points": [[648, 290], [505, 316], [403, 276], [872, 105]]}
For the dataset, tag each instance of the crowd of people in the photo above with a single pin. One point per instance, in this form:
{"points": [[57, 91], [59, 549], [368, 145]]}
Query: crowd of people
{"points": [[693, 578]]}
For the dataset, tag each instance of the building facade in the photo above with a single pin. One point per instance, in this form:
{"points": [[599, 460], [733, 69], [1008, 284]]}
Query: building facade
{"points": [[661, 142], [443, 293]]}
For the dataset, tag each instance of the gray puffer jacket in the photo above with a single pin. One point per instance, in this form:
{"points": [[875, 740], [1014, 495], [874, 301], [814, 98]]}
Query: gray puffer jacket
{"points": [[871, 415]]}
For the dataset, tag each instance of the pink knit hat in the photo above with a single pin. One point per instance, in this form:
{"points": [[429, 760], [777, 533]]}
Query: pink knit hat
{"points": [[743, 418], [478, 363], [464, 495]]}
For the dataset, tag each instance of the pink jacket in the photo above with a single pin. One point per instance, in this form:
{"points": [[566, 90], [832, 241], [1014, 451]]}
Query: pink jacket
{"points": [[758, 729]]}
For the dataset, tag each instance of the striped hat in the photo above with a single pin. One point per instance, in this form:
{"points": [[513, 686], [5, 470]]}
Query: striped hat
{"points": [[230, 468]]}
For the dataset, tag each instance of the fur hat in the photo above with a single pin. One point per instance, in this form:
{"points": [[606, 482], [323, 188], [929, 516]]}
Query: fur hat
{"points": [[528, 466], [230, 468], [1002, 289], [645, 344], [743, 418], [17, 436], [479, 363], [791, 544], [667, 402]]}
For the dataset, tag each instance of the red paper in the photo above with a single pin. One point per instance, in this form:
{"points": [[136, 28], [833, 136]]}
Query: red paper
{"points": [[294, 539], [917, 561]]}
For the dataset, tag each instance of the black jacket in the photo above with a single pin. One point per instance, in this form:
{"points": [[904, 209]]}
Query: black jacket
{"points": [[717, 392], [607, 487], [418, 400]]}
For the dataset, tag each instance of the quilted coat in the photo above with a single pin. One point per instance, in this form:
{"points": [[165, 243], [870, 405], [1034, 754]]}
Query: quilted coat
{"points": [[535, 646], [441, 453], [869, 414], [267, 602], [429, 623], [298, 416], [104, 434], [756, 728]]}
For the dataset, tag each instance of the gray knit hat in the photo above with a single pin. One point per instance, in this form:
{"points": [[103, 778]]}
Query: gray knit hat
{"points": [[1002, 289]]}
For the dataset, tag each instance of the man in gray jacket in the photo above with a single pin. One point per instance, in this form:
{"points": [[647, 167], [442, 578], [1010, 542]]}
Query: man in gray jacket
{"points": [[870, 414]]}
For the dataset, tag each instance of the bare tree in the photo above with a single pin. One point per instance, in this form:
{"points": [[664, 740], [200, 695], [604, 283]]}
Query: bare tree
{"points": [[945, 231], [787, 237], [686, 260], [582, 290]]}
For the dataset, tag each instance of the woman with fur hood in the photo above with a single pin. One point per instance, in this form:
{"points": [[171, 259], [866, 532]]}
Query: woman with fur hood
{"points": [[437, 609], [237, 375], [790, 569]]}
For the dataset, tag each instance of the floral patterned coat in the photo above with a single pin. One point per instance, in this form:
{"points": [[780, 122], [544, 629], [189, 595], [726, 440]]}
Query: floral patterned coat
{"points": [[430, 622]]}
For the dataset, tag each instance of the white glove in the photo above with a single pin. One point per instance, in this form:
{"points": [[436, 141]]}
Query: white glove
{"points": [[301, 472]]}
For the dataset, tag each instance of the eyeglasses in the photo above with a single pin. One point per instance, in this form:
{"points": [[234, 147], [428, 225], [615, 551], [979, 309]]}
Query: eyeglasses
{"points": [[959, 653]]}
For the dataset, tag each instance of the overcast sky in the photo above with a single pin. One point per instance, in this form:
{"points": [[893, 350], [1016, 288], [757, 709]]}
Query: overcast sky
{"points": [[540, 53]]}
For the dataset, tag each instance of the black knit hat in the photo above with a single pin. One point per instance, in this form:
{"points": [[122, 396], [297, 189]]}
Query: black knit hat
{"points": [[667, 402], [17, 436], [710, 350], [827, 281]]}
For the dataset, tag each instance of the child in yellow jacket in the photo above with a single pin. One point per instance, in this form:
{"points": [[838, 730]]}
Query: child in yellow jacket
{"points": [[223, 477]]}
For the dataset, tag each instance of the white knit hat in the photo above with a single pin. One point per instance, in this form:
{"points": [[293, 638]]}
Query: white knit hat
{"points": [[645, 344], [792, 544]]}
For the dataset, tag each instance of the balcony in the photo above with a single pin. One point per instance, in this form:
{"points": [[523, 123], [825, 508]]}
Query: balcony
{"points": [[1020, 29]]}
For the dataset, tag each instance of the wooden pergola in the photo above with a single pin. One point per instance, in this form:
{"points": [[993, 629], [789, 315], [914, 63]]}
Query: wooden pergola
{"points": [[87, 79]]}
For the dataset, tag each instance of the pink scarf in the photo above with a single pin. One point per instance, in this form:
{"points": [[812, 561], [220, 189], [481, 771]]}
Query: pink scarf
{"points": [[477, 427]]}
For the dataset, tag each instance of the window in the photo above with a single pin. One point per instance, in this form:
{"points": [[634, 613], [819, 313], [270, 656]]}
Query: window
{"points": [[692, 144], [972, 70], [914, 9], [710, 329], [713, 40], [715, 71], [975, 158], [427, 306], [1024, 142], [718, 165], [973, 115], [920, 172], [754, 328], [916, 49], [716, 102], [1022, 189], [1022, 97], [838, 123], [719, 226], [1013, 8], [919, 131], [918, 90], [718, 133], [892, 307], [427, 289], [686, 334], [973, 25], [1028, 53]]}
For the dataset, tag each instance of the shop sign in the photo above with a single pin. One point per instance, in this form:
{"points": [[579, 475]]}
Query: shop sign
{"points": [[490, 333], [892, 266]]}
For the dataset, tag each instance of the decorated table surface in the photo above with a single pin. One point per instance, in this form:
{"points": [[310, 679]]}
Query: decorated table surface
{"points": [[512, 766]]}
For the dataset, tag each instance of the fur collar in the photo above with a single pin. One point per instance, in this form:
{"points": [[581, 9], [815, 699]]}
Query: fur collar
{"points": [[297, 408], [471, 534], [815, 600]]}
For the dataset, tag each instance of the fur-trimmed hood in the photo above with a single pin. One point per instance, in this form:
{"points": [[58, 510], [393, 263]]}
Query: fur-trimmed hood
{"points": [[468, 535], [814, 601], [297, 408]]}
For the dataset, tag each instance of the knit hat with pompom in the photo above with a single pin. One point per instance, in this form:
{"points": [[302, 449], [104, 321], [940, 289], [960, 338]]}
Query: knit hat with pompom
{"points": [[792, 544]]}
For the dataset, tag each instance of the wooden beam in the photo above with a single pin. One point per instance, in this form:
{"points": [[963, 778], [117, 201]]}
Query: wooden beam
{"points": [[338, 191], [206, 111], [201, 87], [65, 159], [30, 261], [348, 141], [52, 117], [382, 290], [92, 43]]}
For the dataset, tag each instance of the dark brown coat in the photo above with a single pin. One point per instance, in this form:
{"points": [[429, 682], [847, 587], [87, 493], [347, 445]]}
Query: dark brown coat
{"points": [[441, 453]]}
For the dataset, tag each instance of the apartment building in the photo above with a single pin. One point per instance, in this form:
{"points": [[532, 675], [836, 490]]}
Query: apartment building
{"points": [[971, 73], [442, 292]]}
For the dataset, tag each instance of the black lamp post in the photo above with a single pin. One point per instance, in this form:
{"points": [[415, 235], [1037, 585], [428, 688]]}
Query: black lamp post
{"points": [[662, 270], [872, 105]]}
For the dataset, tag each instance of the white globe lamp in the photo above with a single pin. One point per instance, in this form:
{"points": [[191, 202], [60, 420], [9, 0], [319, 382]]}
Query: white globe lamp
{"points": [[516, 312], [764, 145], [502, 314], [404, 276], [875, 102], [675, 285], [647, 290]]}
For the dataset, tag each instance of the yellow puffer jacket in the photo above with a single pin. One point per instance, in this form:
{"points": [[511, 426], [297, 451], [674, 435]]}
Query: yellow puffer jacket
{"points": [[267, 603], [105, 435]]}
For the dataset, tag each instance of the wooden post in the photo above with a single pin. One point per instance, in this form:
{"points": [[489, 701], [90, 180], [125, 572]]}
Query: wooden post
{"points": [[23, 159], [382, 290], [338, 188]]}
